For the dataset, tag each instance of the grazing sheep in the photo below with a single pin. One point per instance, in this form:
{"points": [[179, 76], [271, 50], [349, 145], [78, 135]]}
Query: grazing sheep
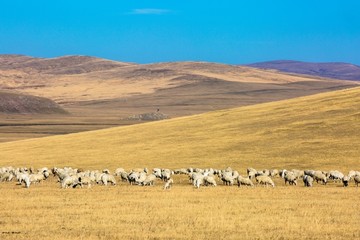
{"points": [[36, 178], [298, 173], [251, 172], [308, 181], [265, 180], [166, 174], [274, 172], [353, 173], [345, 181], [132, 177], [168, 184], [149, 180], [209, 180], [124, 176], [357, 180], [118, 171], [319, 176], [6, 177], [69, 181], [227, 178], [193, 176], [198, 182], [290, 178], [282, 173], [244, 181], [85, 181], [108, 178], [141, 178], [335, 175]]}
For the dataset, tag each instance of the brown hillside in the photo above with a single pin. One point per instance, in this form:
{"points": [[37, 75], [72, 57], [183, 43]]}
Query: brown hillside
{"points": [[16, 103]]}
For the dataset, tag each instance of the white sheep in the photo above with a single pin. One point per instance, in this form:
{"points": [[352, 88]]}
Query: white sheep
{"points": [[209, 180], [320, 176], [345, 181], [265, 180], [108, 178], [149, 180], [198, 182], [357, 180], [308, 181], [168, 184], [69, 181], [244, 181], [290, 177]]}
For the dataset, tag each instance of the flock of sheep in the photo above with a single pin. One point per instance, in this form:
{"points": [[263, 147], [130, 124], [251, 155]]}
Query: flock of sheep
{"points": [[70, 177]]}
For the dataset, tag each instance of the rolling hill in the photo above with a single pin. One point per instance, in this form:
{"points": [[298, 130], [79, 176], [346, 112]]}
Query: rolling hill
{"points": [[336, 70], [17, 103], [319, 131]]}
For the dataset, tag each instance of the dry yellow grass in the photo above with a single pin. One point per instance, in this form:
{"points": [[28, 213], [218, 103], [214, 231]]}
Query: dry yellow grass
{"points": [[134, 212], [319, 132]]}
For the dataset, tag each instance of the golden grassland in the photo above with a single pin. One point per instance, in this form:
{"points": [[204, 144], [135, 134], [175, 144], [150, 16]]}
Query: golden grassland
{"points": [[317, 132], [45, 211]]}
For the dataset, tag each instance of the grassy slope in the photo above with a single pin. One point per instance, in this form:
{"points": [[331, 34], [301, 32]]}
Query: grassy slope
{"points": [[319, 131]]}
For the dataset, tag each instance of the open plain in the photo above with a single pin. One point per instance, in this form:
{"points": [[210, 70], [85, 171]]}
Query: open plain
{"points": [[315, 132]]}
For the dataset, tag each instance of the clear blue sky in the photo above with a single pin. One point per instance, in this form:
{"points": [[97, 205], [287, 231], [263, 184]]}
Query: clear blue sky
{"points": [[144, 31]]}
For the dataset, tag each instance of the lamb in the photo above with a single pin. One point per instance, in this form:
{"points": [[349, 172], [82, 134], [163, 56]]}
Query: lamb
{"points": [[244, 181], [265, 180], [168, 184], [308, 181]]}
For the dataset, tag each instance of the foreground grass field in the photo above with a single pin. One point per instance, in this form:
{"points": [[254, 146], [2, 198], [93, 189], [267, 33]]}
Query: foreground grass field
{"points": [[134, 212], [316, 132]]}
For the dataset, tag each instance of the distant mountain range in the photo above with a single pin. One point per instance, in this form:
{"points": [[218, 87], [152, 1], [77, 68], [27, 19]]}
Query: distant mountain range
{"points": [[337, 70]]}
